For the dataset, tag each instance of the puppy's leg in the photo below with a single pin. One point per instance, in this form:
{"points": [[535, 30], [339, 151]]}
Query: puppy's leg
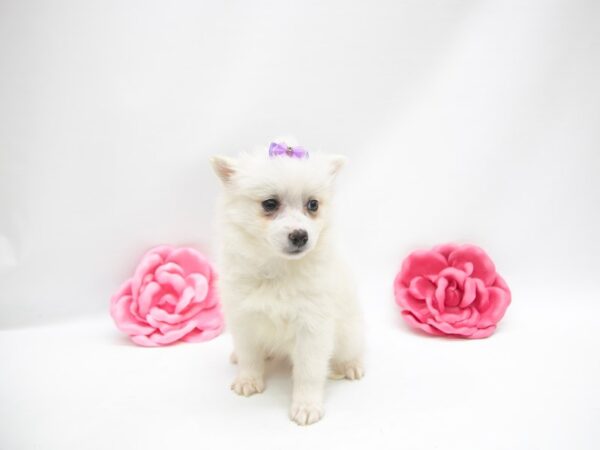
{"points": [[347, 360], [310, 358], [233, 359], [251, 363]]}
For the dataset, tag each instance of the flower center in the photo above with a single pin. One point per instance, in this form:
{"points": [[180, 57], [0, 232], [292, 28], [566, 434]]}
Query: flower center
{"points": [[452, 295]]}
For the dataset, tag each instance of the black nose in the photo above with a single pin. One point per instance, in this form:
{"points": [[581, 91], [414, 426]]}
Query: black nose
{"points": [[298, 238]]}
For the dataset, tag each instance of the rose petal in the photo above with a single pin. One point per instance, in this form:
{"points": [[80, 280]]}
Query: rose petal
{"points": [[208, 318], [469, 293], [147, 265], [157, 338], [124, 289], [209, 324], [185, 299], [171, 267], [163, 316], [164, 327], [440, 293], [190, 261], [133, 309], [421, 287], [414, 322], [456, 316], [173, 280], [500, 283], [145, 341], [433, 307], [482, 333], [197, 335], [168, 299], [483, 267], [147, 298], [451, 329], [499, 299], [172, 336], [200, 284], [445, 249], [124, 320], [470, 320], [469, 268], [452, 297], [153, 322], [161, 250], [211, 298], [452, 273], [407, 302], [421, 263], [482, 295]]}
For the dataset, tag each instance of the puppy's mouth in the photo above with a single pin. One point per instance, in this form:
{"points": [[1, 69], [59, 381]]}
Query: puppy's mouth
{"points": [[295, 253]]}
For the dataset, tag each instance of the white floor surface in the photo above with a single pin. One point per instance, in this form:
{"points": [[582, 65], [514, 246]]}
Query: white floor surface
{"points": [[533, 385]]}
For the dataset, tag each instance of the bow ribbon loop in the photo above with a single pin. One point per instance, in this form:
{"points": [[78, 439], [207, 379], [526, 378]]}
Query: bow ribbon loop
{"points": [[281, 149]]}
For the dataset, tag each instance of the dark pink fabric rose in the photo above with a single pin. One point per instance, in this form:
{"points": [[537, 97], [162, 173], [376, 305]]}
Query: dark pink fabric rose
{"points": [[171, 297], [451, 290]]}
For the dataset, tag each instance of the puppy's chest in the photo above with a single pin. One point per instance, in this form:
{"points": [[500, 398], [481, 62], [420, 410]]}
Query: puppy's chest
{"points": [[285, 302], [277, 315], [281, 300], [278, 308]]}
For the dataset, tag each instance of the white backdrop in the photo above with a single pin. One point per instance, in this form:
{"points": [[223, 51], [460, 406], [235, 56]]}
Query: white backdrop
{"points": [[469, 121]]}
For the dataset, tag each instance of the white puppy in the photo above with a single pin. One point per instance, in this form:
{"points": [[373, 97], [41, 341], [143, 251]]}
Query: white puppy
{"points": [[284, 290]]}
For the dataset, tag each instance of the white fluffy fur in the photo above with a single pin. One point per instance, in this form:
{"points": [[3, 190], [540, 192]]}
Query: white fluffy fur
{"points": [[298, 306]]}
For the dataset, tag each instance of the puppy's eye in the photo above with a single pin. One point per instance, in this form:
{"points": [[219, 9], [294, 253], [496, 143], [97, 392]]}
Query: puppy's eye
{"points": [[312, 205], [270, 205]]}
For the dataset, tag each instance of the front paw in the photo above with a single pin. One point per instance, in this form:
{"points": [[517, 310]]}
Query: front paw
{"points": [[247, 386], [304, 413], [350, 370]]}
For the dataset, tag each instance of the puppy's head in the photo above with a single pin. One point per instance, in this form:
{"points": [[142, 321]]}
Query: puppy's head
{"points": [[281, 203]]}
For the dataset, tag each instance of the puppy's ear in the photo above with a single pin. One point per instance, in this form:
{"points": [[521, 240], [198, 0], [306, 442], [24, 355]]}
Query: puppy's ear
{"points": [[336, 162], [224, 167]]}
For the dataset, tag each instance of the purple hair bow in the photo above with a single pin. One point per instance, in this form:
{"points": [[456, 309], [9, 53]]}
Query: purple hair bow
{"points": [[282, 149]]}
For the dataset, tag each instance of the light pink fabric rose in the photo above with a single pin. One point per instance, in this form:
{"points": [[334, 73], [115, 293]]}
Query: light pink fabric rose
{"points": [[171, 297], [451, 290]]}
